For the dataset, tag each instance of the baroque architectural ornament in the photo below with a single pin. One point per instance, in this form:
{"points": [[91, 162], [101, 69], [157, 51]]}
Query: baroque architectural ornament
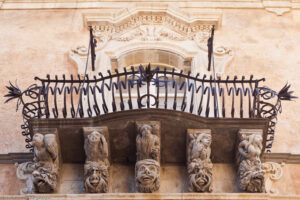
{"points": [[274, 172], [198, 160], [147, 167], [96, 168], [24, 173], [46, 163], [250, 171]]}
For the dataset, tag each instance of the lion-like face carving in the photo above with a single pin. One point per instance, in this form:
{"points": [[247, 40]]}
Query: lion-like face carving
{"points": [[96, 174], [147, 175]]}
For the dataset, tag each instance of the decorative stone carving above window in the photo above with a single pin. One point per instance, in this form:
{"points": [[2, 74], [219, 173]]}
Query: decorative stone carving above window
{"points": [[160, 27]]}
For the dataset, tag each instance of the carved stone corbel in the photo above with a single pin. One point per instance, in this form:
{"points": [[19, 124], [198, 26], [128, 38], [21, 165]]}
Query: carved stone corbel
{"points": [[47, 160], [96, 167], [199, 164], [251, 176], [147, 167]]}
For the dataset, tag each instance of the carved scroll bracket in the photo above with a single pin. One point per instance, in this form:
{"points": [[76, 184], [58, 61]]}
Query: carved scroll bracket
{"points": [[199, 165], [251, 175], [96, 167], [147, 167], [274, 172]]}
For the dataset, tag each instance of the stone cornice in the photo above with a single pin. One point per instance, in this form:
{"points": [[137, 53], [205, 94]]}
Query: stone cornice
{"points": [[281, 158], [278, 7], [161, 196], [15, 157], [287, 158]]}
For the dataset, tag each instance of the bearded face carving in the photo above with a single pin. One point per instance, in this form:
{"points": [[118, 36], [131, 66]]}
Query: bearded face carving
{"points": [[147, 175], [198, 161], [96, 168], [250, 172], [96, 177]]}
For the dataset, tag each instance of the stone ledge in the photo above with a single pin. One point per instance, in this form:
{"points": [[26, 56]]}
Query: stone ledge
{"points": [[288, 158], [161, 196], [281, 158], [15, 158], [222, 4]]}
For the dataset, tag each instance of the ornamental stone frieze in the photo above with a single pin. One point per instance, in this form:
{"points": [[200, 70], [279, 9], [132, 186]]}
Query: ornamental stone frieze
{"points": [[251, 175], [164, 27], [199, 165], [96, 167], [147, 167]]}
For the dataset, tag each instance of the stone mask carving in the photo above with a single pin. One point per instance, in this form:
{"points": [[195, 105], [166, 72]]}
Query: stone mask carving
{"points": [[147, 175], [199, 163], [250, 172], [96, 177], [96, 168], [45, 174]]}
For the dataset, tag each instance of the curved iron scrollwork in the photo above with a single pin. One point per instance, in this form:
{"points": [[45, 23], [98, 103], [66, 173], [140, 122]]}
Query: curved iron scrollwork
{"points": [[32, 109], [145, 87], [269, 105]]}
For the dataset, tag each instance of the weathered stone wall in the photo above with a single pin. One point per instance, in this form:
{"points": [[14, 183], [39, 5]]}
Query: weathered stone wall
{"points": [[37, 42]]}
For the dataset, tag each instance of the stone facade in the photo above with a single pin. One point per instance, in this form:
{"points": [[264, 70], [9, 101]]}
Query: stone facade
{"points": [[252, 37]]}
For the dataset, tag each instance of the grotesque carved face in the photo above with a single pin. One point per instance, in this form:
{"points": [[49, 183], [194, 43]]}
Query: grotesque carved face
{"points": [[44, 180], [96, 174], [200, 176], [94, 137], [200, 182], [254, 182], [37, 139], [147, 175]]}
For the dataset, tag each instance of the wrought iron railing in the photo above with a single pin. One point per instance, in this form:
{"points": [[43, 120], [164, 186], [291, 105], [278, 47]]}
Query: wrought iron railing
{"points": [[143, 87]]}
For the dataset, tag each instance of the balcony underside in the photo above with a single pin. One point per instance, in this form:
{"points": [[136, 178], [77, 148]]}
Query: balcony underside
{"points": [[174, 124]]}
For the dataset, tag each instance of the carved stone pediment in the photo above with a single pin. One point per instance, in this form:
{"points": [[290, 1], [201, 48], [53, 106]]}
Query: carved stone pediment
{"points": [[163, 22], [144, 26]]}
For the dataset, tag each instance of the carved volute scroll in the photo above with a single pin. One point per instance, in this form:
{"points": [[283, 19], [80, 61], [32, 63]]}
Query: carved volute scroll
{"points": [[46, 163], [199, 164], [147, 167], [251, 175], [24, 173], [96, 167]]}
